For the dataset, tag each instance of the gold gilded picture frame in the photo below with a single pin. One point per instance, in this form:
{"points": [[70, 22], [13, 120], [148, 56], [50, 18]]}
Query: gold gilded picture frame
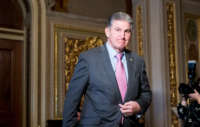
{"points": [[69, 42]]}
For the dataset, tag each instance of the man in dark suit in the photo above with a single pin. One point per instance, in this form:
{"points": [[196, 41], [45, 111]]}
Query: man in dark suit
{"points": [[115, 89]]}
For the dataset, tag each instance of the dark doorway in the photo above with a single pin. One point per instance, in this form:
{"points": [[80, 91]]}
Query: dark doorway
{"points": [[11, 83]]}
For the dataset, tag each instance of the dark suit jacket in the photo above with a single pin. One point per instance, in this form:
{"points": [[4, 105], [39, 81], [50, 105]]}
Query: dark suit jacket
{"points": [[95, 79]]}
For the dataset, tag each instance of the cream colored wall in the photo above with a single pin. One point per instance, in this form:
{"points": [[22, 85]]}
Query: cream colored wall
{"points": [[38, 75], [95, 8]]}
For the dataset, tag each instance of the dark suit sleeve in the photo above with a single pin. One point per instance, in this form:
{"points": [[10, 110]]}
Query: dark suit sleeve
{"points": [[145, 94], [75, 91]]}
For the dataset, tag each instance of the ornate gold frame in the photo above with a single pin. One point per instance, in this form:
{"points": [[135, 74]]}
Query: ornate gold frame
{"points": [[69, 42], [171, 36], [139, 31]]}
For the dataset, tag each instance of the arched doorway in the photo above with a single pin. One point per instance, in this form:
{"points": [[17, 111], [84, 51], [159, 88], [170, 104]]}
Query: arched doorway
{"points": [[12, 86]]}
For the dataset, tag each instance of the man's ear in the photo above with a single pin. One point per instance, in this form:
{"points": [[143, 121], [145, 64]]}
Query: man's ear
{"points": [[107, 32]]}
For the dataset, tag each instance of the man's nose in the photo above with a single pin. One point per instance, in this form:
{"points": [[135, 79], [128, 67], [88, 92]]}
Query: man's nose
{"points": [[122, 34]]}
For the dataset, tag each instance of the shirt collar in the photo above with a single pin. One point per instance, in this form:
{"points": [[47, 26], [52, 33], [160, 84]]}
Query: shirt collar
{"points": [[111, 51]]}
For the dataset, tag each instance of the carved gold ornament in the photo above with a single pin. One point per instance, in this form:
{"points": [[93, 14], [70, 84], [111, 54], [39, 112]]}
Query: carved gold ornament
{"points": [[69, 42], [73, 48], [171, 22], [139, 31]]}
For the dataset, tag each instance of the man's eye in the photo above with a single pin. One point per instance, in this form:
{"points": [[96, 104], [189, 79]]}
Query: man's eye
{"points": [[128, 31]]}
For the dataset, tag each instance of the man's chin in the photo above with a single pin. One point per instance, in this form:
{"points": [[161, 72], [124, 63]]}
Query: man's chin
{"points": [[121, 49]]}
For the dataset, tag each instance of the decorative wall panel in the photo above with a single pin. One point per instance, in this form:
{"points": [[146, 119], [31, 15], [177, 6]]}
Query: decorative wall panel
{"points": [[191, 39], [69, 42], [171, 36], [139, 30]]}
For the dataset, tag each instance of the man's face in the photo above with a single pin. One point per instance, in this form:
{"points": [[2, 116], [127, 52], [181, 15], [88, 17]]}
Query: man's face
{"points": [[118, 34]]}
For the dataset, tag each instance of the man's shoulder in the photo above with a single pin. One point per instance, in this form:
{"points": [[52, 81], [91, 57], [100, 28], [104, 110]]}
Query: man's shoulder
{"points": [[93, 51], [134, 55]]}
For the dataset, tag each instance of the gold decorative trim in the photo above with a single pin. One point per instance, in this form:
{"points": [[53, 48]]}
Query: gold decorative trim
{"points": [[55, 73], [171, 35], [73, 47], [69, 42], [139, 31], [139, 38]]}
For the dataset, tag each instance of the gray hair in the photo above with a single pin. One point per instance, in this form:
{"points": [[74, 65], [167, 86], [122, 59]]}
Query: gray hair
{"points": [[120, 16]]}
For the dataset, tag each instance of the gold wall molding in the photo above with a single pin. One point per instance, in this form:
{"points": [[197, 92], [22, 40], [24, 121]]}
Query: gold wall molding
{"points": [[139, 31], [171, 36], [69, 42], [140, 40], [56, 113], [73, 48]]}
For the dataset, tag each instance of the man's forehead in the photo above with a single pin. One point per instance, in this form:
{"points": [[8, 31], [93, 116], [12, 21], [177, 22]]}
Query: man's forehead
{"points": [[120, 24], [119, 20]]}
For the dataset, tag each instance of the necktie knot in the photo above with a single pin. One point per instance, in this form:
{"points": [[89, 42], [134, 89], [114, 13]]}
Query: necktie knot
{"points": [[119, 56]]}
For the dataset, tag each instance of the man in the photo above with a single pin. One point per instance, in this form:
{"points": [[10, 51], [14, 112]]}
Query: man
{"points": [[115, 89], [190, 112]]}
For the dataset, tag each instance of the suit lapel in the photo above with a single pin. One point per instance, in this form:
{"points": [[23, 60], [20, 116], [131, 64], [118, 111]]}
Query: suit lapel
{"points": [[111, 74], [130, 67], [109, 71]]}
